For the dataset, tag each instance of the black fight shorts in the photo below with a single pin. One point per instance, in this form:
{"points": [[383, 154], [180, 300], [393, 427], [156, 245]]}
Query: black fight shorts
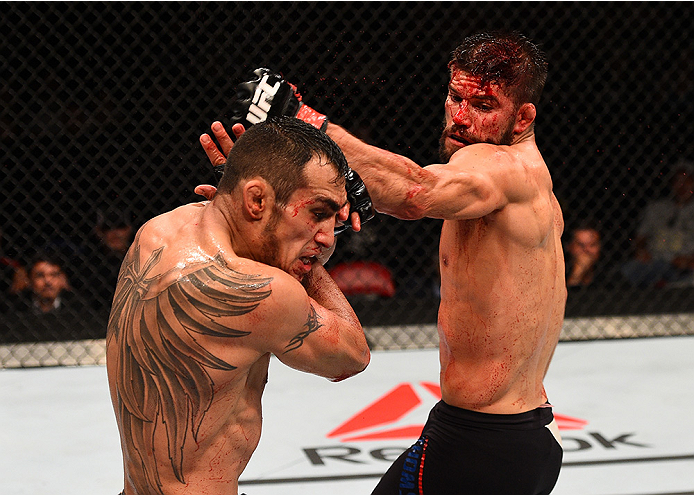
{"points": [[468, 452]]}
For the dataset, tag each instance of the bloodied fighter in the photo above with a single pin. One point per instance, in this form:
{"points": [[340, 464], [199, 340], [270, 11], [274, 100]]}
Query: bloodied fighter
{"points": [[503, 289]]}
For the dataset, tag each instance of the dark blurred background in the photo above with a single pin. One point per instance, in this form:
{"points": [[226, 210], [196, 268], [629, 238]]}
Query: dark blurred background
{"points": [[103, 103]]}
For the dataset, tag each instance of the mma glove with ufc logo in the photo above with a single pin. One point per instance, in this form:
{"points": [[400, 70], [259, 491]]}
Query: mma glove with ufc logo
{"points": [[268, 95]]}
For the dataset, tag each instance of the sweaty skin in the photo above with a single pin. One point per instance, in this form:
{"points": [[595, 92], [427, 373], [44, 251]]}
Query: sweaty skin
{"points": [[197, 312], [502, 299], [503, 291]]}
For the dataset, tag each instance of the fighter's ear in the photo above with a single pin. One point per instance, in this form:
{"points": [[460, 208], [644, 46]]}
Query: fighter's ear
{"points": [[524, 117], [256, 197]]}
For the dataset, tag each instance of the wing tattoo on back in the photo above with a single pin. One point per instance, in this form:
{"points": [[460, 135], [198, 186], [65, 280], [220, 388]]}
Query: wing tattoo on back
{"points": [[161, 367]]}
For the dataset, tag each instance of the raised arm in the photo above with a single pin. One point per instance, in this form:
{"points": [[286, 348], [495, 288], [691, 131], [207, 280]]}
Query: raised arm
{"points": [[471, 185], [477, 181], [320, 332]]}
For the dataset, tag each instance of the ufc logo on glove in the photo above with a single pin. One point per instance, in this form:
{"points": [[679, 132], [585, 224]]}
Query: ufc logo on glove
{"points": [[262, 99]]}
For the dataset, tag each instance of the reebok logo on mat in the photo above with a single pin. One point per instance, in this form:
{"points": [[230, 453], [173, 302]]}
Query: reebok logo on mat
{"points": [[401, 413]]}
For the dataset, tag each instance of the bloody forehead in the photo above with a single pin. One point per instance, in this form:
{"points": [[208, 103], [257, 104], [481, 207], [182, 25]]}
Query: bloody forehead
{"points": [[461, 79]]}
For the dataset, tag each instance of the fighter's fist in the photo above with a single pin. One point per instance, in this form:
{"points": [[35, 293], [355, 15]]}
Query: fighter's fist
{"points": [[269, 95], [359, 199]]}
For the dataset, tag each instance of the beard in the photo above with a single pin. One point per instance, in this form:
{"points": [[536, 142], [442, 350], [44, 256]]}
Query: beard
{"points": [[446, 152], [269, 253]]}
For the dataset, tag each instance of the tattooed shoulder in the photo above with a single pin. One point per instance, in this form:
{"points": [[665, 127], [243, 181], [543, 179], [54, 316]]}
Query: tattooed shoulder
{"points": [[161, 367]]}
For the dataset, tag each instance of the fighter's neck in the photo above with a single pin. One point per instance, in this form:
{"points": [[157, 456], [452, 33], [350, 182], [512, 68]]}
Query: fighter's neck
{"points": [[230, 229], [527, 136]]}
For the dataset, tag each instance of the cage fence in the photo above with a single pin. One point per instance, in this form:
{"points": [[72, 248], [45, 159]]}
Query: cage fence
{"points": [[103, 104]]}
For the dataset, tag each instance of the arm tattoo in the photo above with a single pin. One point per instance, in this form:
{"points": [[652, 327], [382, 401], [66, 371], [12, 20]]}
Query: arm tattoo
{"points": [[160, 366], [312, 324]]}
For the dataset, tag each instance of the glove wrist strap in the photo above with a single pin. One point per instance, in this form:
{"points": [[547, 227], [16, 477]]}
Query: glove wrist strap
{"points": [[310, 116]]}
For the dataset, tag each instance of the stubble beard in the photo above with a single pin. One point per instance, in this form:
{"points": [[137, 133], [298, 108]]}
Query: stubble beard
{"points": [[446, 152], [270, 249]]}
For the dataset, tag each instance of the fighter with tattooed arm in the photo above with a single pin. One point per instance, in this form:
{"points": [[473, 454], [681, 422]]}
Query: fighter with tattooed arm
{"points": [[208, 291]]}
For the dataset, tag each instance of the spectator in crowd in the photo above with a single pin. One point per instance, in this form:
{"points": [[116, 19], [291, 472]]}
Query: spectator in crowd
{"points": [[49, 309], [48, 283], [115, 230], [113, 236], [592, 278], [664, 244], [582, 255], [49, 290]]}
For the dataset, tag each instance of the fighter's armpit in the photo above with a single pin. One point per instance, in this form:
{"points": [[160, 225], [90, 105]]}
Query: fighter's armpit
{"points": [[160, 363], [312, 324]]}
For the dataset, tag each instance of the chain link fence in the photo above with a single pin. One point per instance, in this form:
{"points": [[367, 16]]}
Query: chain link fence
{"points": [[103, 103]]}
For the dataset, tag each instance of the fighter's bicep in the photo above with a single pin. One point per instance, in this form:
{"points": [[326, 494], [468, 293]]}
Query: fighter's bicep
{"points": [[463, 193], [286, 318]]}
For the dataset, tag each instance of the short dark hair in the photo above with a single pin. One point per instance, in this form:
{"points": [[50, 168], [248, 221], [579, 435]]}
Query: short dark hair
{"points": [[586, 224], [278, 150], [508, 59], [112, 218], [48, 258]]}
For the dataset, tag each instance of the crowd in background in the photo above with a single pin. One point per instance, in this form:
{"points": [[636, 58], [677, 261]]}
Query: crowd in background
{"points": [[662, 251], [65, 293]]}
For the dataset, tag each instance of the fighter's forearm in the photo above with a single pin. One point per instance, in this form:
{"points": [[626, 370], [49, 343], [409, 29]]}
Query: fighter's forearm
{"points": [[322, 288], [349, 352], [397, 185]]}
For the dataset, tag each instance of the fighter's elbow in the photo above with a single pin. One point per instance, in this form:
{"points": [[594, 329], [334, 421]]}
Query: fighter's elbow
{"points": [[365, 359], [417, 202], [357, 364], [408, 213], [362, 360]]}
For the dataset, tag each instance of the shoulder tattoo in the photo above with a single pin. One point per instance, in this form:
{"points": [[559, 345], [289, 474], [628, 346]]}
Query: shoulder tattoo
{"points": [[161, 375]]}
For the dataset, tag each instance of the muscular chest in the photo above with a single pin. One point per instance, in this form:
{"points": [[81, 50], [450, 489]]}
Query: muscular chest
{"points": [[486, 256]]}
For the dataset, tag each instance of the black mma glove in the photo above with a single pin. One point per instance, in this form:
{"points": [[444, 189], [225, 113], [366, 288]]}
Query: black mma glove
{"points": [[359, 200], [268, 95]]}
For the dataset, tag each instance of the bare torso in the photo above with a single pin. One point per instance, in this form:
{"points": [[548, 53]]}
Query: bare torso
{"points": [[503, 291], [187, 399], [502, 300]]}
